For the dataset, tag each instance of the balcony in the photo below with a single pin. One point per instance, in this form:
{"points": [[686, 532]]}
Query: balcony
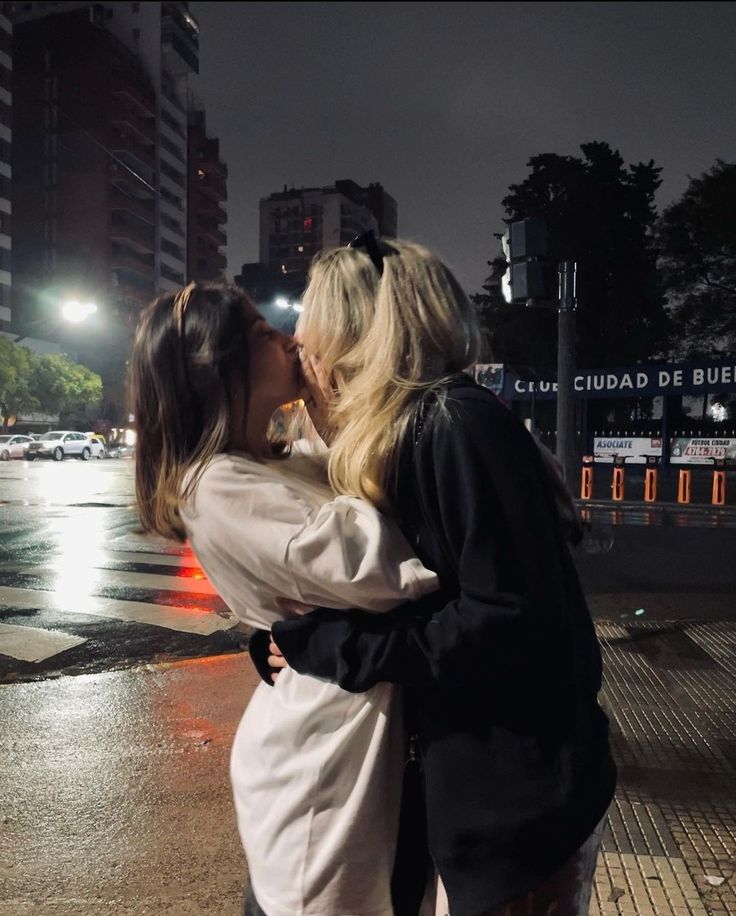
{"points": [[138, 161], [144, 102], [141, 265], [212, 230], [215, 259], [211, 184], [142, 207], [180, 38], [135, 233], [127, 120], [131, 284]]}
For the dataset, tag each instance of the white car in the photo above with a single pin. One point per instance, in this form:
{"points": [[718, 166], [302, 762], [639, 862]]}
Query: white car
{"points": [[13, 447], [58, 444]]}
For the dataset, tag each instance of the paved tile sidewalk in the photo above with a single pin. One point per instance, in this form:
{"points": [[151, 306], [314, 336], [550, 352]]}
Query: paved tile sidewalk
{"points": [[670, 844]]}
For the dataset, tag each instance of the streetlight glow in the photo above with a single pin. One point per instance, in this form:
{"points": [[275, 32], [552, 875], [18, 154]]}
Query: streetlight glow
{"points": [[77, 311], [281, 303], [297, 306]]}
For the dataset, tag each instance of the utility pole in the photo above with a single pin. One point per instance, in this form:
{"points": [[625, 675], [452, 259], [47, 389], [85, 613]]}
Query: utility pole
{"points": [[566, 447], [525, 281]]}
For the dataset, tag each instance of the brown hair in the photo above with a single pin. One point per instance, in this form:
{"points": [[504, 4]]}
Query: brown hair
{"points": [[189, 382]]}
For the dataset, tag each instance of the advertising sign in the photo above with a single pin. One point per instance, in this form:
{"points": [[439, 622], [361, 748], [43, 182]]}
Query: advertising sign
{"points": [[634, 449], [683, 450], [490, 375], [701, 451]]}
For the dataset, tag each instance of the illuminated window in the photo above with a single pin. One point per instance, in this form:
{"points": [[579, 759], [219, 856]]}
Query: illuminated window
{"points": [[300, 248], [308, 222], [201, 173], [283, 268]]}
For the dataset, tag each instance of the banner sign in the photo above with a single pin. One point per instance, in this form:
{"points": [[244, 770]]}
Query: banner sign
{"points": [[683, 450], [633, 381], [634, 449], [701, 451]]}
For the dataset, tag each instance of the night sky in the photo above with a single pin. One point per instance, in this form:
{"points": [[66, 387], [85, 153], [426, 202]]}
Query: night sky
{"points": [[444, 103]]}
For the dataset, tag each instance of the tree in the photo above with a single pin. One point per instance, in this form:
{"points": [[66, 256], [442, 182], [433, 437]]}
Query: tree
{"points": [[599, 213], [697, 240], [15, 373], [60, 384], [50, 383]]}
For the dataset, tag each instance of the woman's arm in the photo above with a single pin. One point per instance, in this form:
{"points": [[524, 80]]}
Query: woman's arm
{"points": [[479, 479], [258, 538]]}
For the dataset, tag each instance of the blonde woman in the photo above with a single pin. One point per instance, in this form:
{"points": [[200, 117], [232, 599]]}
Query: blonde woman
{"points": [[502, 677], [316, 771]]}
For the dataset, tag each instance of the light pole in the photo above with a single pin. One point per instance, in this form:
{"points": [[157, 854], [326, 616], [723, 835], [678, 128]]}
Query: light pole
{"points": [[566, 450]]}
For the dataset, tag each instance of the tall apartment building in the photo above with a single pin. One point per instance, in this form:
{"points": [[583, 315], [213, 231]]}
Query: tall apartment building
{"points": [[85, 172], [297, 223], [206, 217], [165, 39], [6, 208], [103, 119]]}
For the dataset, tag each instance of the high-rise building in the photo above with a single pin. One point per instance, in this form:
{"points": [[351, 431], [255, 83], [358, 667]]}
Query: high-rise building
{"points": [[6, 208], [165, 38], [85, 182], [297, 223], [103, 124], [206, 217]]}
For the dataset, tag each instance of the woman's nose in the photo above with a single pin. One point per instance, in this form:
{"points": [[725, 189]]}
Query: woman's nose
{"points": [[291, 345]]}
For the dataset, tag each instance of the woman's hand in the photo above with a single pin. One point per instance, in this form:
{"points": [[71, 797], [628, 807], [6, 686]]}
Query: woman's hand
{"points": [[276, 660], [321, 395]]}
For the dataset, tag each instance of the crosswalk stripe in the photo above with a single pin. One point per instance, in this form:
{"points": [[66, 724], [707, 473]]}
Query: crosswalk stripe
{"points": [[155, 559], [200, 621], [116, 577], [30, 644]]}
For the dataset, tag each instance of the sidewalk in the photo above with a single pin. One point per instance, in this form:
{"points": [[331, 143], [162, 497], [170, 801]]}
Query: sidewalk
{"points": [[670, 846]]}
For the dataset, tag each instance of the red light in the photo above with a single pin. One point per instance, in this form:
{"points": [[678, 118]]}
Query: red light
{"points": [[186, 572], [308, 222]]}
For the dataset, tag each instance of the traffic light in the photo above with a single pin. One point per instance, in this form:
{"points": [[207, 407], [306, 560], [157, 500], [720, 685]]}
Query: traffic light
{"points": [[525, 247]]}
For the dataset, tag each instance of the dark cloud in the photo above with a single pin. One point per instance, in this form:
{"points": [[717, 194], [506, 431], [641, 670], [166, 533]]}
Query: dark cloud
{"points": [[444, 103]]}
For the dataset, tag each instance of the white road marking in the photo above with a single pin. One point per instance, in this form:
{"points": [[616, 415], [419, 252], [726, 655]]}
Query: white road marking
{"points": [[94, 575], [30, 644], [154, 559], [198, 620]]}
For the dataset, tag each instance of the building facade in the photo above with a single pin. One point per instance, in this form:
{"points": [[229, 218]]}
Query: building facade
{"points": [[6, 136], [85, 173], [297, 223], [207, 193], [103, 167]]}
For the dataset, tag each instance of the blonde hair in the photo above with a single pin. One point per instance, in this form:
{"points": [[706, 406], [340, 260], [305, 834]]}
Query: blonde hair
{"points": [[387, 339]]}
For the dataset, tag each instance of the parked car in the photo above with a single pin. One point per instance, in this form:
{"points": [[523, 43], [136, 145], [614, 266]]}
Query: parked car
{"points": [[58, 444], [13, 447], [98, 437]]}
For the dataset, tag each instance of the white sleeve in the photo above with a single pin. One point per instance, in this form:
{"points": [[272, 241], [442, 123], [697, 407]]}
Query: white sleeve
{"points": [[259, 540]]}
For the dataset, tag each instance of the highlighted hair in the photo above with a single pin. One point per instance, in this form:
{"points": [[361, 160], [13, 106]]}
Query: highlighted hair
{"points": [[189, 379], [387, 340]]}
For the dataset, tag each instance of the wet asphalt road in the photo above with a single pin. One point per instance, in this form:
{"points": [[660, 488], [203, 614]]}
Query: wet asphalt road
{"points": [[74, 566], [115, 791]]}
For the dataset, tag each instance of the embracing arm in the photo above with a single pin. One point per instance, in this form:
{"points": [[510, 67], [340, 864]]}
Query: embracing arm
{"points": [[483, 494]]}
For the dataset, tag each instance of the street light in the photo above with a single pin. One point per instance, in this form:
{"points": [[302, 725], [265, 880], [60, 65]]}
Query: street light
{"points": [[75, 312], [72, 311]]}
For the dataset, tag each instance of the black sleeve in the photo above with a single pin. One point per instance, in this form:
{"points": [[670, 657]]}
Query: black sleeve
{"points": [[475, 470], [259, 652]]}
